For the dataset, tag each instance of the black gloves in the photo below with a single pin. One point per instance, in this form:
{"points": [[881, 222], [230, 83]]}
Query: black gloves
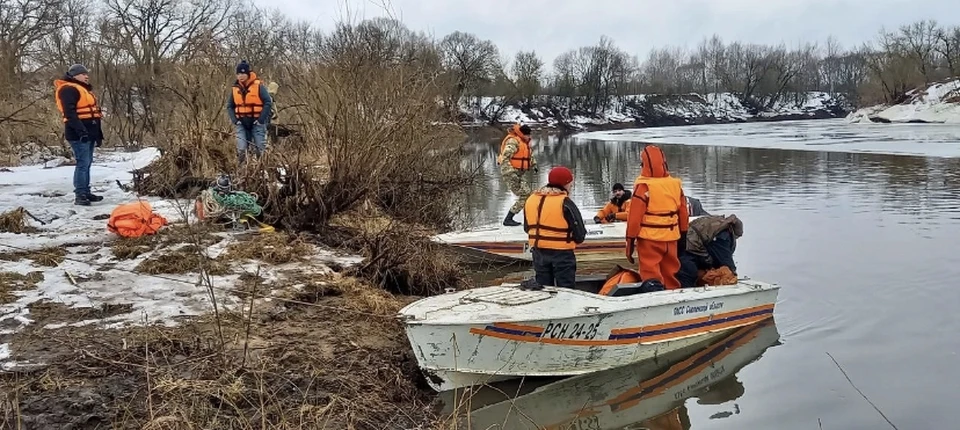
{"points": [[611, 217], [596, 219], [682, 243]]}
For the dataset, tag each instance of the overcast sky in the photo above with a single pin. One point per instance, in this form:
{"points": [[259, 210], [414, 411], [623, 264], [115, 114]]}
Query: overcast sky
{"points": [[551, 27]]}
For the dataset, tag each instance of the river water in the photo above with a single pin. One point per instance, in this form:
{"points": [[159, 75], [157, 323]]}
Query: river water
{"points": [[863, 245]]}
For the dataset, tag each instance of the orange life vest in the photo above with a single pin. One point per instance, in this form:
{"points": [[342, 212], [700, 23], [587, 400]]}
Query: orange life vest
{"points": [[247, 103], [548, 229], [135, 220], [623, 276], [87, 107], [661, 221], [521, 158]]}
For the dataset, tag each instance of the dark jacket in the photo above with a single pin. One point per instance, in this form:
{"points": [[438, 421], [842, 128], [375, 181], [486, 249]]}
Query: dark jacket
{"points": [[571, 213], [704, 229], [74, 128]]}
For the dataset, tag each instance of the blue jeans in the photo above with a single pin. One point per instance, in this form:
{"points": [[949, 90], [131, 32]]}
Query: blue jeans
{"points": [[83, 152], [246, 136]]}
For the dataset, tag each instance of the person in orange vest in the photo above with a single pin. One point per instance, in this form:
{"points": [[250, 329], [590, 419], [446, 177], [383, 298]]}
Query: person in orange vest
{"points": [[554, 228], [515, 159], [658, 221], [81, 117], [249, 108], [617, 208]]}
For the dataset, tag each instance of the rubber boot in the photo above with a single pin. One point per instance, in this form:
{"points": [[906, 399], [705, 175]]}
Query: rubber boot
{"points": [[509, 222]]}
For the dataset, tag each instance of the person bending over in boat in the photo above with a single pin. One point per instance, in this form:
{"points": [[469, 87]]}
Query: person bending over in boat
{"points": [[711, 241], [554, 228], [617, 208], [515, 160], [658, 220]]}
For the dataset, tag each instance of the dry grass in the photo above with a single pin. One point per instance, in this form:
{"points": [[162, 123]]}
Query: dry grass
{"points": [[305, 367], [197, 233], [272, 248], [49, 257], [12, 281], [185, 259], [15, 221]]}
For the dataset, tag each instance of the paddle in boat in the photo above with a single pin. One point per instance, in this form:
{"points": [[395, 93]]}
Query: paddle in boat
{"points": [[508, 331], [628, 395]]}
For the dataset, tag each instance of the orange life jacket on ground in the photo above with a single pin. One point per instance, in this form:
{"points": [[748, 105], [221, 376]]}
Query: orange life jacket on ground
{"points": [[661, 221], [548, 229], [246, 100], [521, 158], [87, 107], [135, 220]]}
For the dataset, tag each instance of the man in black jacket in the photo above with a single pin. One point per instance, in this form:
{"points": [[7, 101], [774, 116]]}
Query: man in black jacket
{"points": [[81, 127], [554, 228]]}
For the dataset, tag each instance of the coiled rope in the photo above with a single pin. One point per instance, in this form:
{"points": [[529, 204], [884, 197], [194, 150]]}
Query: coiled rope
{"points": [[216, 203]]}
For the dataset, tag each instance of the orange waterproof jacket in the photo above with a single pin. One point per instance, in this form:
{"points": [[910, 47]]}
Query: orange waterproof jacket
{"points": [[135, 220], [658, 209]]}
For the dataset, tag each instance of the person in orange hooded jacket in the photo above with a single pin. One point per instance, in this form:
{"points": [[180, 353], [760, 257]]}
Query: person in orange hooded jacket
{"points": [[658, 220]]}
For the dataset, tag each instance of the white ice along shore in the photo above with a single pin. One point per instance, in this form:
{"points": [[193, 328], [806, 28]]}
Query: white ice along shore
{"points": [[937, 103], [47, 193], [649, 109]]}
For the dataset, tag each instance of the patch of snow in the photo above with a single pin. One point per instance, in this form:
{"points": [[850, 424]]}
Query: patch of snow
{"points": [[830, 135], [101, 279], [937, 103]]}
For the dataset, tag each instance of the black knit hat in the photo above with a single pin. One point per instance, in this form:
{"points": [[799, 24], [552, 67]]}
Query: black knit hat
{"points": [[77, 69], [525, 129], [243, 67], [618, 186]]}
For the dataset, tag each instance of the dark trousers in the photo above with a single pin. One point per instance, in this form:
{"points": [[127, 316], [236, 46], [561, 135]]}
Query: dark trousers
{"points": [[720, 250], [555, 267]]}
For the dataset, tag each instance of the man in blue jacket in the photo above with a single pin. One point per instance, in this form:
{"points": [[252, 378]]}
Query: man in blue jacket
{"points": [[249, 107]]}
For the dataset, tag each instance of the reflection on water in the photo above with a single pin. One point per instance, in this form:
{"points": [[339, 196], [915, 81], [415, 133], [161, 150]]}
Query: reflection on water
{"points": [[864, 246], [650, 393]]}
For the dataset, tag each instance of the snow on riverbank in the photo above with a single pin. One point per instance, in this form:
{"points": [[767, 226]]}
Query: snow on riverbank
{"points": [[649, 110], [89, 275], [832, 135], [937, 103]]}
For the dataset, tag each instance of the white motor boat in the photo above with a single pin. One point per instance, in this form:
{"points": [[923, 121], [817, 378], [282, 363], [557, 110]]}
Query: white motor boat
{"points": [[495, 333], [641, 394]]}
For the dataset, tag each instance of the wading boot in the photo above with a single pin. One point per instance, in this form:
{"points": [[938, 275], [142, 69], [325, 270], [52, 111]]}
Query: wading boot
{"points": [[509, 222]]}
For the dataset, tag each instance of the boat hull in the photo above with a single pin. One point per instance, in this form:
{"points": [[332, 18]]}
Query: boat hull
{"points": [[576, 333]]}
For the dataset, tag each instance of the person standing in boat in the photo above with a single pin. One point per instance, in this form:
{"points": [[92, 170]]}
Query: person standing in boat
{"points": [[658, 220], [554, 228], [515, 160], [617, 208]]}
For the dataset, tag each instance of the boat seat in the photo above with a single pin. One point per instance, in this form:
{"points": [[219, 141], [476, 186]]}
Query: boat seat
{"points": [[629, 289]]}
